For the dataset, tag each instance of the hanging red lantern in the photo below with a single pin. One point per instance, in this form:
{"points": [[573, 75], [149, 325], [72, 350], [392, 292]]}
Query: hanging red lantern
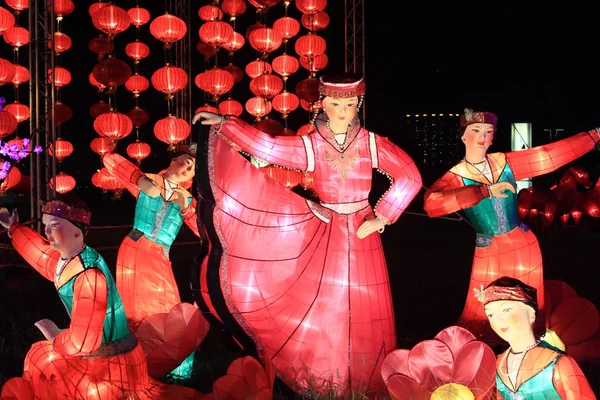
{"points": [[210, 13], [64, 149], [103, 146], [21, 75], [61, 7], [310, 45], [287, 27], [95, 83], [171, 130], [285, 65], [233, 8], [62, 42], [8, 123], [208, 108], [7, 20], [205, 49], [12, 179], [258, 106], [285, 103], [265, 40], [216, 33], [112, 72], [64, 183], [7, 71], [99, 109], [308, 90], [18, 5], [19, 110], [315, 22], [168, 28], [253, 27], [215, 81], [137, 50], [235, 71], [136, 84], [311, 6], [62, 113], [235, 43], [258, 67], [112, 19], [138, 116], [62, 76], [138, 150], [169, 79], [101, 46], [230, 107], [19, 142], [262, 5], [16, 36], [314, 64], [93, 9], [139, 16], [109, 182], [113, 125], [266, 85], [96, 179]]}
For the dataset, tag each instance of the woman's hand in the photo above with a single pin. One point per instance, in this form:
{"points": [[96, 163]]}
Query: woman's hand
{"points": [[149, 187], [498, 189], [209, 118], [48, 328], [180, 197], [8, 219], [369, 227]]}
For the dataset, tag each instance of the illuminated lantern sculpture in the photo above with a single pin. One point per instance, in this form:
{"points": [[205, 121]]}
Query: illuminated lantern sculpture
{"points": [[96, 356], [138, 151], [454, 365], [168, 28], [139, 16], [64, 183], [247, 378], [484, 186], [308, 254]]}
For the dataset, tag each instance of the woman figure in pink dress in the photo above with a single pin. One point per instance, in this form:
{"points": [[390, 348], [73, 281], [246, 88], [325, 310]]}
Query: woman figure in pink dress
{"points": [[308, 281]]}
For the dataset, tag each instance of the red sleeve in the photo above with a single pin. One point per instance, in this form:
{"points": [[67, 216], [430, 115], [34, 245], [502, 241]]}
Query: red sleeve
{"points": [[404, 176], [286, 151], [547, 158], [84, 335], [449, 194], [35, 250], [126, 172], [569, 381]]}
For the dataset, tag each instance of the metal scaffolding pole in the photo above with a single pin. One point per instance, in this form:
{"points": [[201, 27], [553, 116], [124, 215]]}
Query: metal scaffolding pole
{"points": [[42, 97], [354, 32]]}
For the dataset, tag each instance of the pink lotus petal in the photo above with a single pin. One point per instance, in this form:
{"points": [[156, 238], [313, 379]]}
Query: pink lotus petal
{"points": [[430, 363], [395, 363], [455, 338], [476, 361]]}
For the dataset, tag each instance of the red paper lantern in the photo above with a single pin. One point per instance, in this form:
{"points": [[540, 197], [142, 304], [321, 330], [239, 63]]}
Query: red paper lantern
{"points": [[266, 85], [61, 7], [285, 103], [210, 13], [258, 106], [138, 150], [230, 107], [16, 36], [96, 180], [11, 180], [112, 19], [8, 123], [137, 50], [308, 90], [99, 109], [215, 81], [111, 72], [205, 49], [64, 183], [168, 28], [258, 67], [235, 43], [254, 27], [139, 16], [311, 6], [265, 40], [314, 64], [101, 46], [208, 108], [62, 76], [235, 71], [109, 182], [172, 130], [169, 79], [285, 65], [7, 20], [310, 45], [62, 42], [62, 113], [138, 116], [102, 145], [233, 8], [137, 84], [216, 33], [7, 71], [287, 27], [21, 75], [93, 9], [113, 125], [19, 110], [19, 142], [18, 5], [315, 22], [64, 149]]}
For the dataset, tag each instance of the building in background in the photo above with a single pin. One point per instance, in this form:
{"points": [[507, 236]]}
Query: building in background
{"points": [[435, 138]]}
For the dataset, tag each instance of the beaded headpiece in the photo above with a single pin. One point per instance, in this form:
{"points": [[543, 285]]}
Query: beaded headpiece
{"points": [[342, 90], [471, 117], [527, 294], [72, 214]]}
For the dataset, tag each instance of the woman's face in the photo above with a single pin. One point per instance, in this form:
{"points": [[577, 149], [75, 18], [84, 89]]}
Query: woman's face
{"points": [[61, 233], [340, 110], [182, 168], [479, 136], [510, 319]]}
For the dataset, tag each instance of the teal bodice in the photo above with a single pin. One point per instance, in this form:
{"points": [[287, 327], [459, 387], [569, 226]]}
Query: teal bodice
{"points": [[159, 220], [538, 387], [115, 322], [497, 215]]}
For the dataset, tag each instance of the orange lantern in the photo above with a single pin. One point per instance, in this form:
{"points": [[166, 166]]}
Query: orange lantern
{"points": [[62, 42], [112, 19], [64, 183], [210, 13], [285, 65], [171, 130], [137, 50], [139, 16], [113, 125], [102, 146], [137, 84], [11, 180], [19, 110], [258, 67], [168, 28], [99, 108], [169, 79], [233, 8], [287, 27], [8, 123], [230, 107], [64, 149], [216, 33], [138, 151], [21, 75], [265, 40], [16, 36], [62, 76]]}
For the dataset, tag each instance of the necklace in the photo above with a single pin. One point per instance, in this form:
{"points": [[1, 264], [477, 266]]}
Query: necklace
{"points": [[345, 142], [475, 163], [62, 263], [505, 358]]}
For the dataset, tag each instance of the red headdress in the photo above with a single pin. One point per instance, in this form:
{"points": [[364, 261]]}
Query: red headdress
{"points": [[72, 214], [471, 117], [514, 292], [342, 90]]}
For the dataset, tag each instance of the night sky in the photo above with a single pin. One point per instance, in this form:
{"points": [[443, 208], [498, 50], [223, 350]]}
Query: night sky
{"points": [[525, 63]]}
